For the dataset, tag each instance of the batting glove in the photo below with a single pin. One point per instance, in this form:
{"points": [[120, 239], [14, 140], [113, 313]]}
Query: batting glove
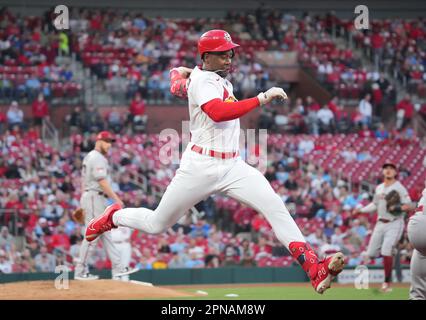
{"points": [[273, 93]]}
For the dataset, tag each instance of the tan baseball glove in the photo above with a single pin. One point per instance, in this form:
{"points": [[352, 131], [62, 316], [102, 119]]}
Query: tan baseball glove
{"points": [[78, 215]]}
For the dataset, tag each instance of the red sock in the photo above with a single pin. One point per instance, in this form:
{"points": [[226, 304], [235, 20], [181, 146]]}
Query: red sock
{"points": [[304, 254], [388, 264]]}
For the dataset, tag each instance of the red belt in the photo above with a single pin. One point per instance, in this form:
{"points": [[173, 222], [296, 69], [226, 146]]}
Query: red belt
{"points": [[215, 154]]}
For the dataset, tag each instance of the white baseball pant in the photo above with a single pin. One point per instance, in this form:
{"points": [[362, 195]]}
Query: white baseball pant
{"points": [[385, 237], [200, 176], [417, 236], [94, 205]]}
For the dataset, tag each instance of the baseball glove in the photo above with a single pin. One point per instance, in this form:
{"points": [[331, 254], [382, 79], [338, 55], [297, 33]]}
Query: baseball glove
{"points": [[78, 215], [393, 203]]}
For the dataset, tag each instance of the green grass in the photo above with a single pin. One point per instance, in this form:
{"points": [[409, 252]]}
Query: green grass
{"points": [[296, 292]]}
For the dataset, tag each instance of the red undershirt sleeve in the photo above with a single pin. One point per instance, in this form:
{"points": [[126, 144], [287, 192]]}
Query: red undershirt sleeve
{"points": [[220, 111]]}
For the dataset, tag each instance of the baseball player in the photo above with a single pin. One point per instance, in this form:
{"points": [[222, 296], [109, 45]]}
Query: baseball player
{"points": [[417, 236], [96, 191], [390, 220], [211, 163], [121, 239]]}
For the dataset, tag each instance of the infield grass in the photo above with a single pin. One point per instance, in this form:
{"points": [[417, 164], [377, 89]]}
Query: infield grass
{"points": [[294, 292]]}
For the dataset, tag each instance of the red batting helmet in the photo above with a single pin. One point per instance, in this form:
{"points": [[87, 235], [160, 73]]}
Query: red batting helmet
{"points": [[215, 41], [106, 136]]}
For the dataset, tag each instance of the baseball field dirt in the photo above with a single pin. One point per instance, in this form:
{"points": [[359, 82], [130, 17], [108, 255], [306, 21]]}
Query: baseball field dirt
{"points": [[86, 290]]}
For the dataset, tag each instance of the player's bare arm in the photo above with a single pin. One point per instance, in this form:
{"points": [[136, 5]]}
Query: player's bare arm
{"points": [[106, 188]]}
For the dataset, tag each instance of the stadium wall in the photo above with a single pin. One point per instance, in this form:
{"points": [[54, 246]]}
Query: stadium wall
{"points": [[220, 275], [188, 276]]}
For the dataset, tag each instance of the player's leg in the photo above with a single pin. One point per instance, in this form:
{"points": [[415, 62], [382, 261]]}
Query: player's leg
{"points": [[418, 276], [392, 235], [249, 186], [92, 206], [113, 254], [376, 240], [194, 181], [417, 237]]}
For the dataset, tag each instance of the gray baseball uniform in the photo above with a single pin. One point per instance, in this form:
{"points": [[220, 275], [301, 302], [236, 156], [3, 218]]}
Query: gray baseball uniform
{"points": [[388, 229], [94, 201], [416, 234]]}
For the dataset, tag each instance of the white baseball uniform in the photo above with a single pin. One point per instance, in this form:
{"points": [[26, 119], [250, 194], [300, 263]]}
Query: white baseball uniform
{"points": [[94, 201], [121, 238], [388, 229], [416, 234], [201, 175]]}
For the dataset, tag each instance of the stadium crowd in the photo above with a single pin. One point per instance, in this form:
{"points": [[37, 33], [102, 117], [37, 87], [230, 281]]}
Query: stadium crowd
{"points": [[132, 54]]}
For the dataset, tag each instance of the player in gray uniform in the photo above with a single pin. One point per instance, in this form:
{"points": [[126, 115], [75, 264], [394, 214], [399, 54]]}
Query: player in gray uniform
{"points": [[96, 191], [417, 236], [389, 227]]}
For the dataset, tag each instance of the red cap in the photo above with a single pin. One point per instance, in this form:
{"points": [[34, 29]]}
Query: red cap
{"points": [[389, 164], [215, 41], [105, 135]]}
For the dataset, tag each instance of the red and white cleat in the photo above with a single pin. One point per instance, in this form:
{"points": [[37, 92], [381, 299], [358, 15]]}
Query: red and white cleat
{"points": [[327, 270], [103, 223], [386, 288]]}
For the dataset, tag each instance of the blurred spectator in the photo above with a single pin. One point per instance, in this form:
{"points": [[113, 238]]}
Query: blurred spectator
{"points": [[75, 119], [115, 121], [5, 262], [60, 241], [354, 260], [177, 261], [349, 154], [42, 228], [3, 122], [15, 116], [6, 239], [33, 86], [126, 184], [231, 254], [137, 117], [40, 111], [247, 254], [366, 110], [93, 122], [179, 245], [404, 112], [194, 261], [381, 132], [326, 120], [44, 261], [163, 246], [52, 211]]}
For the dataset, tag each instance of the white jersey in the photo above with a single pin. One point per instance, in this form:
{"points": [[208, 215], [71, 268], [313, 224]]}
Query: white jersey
{"points": [[380, 194], [205, 86]]}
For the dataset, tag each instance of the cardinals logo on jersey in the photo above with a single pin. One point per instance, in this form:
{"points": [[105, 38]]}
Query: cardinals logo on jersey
{"points": [[227, 97]]}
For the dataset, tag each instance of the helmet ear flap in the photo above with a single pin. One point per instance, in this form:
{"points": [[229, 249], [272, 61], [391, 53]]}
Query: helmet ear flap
{"points": [[232, 53]]}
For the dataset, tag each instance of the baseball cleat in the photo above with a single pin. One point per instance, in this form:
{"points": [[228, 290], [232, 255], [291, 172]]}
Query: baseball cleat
{"points": [[327, 270], [386, 288], [125, 271], [103, 223], [86, 277]]}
